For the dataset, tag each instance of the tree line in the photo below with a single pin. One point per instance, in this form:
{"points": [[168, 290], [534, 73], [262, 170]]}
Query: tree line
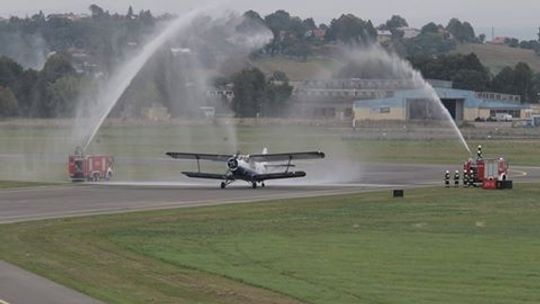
{"points": [[52, 89]]}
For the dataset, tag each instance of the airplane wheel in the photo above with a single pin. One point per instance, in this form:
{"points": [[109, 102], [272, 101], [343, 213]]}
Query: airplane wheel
{"points": [[254, 185], [223, 185], [263, 185]]}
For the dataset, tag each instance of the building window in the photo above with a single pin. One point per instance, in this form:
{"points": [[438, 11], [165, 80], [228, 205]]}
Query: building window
{"points": [[384, 110]]}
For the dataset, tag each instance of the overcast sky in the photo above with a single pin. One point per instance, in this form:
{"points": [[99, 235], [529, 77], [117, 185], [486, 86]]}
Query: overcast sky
{"points": [[518, 18]]}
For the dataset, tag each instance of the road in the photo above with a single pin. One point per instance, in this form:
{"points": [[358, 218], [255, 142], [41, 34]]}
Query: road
{"points": [[26, 204]]}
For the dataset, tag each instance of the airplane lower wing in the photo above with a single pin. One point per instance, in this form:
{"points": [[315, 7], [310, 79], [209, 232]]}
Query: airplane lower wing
{"points": [[286, 156], [205, 175], [281, 175]]}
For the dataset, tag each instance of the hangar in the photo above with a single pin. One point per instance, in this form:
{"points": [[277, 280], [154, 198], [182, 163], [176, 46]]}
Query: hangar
{"points": [[417, 104]]}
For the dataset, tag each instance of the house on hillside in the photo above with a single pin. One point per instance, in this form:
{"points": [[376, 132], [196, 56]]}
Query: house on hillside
{"points": [[409, 32], [499, 40], [383, 36]]}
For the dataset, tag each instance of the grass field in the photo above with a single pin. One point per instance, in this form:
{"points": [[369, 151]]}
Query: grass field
{"points": [[434, 246], [298, 70], [15, 184], [497, 57]]}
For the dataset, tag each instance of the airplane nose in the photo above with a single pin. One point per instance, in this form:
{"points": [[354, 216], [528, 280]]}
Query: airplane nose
{"points": [[232, 164]]}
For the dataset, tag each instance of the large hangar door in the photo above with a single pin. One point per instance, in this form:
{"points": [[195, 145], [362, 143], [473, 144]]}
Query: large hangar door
{"points": [[455, 107]]}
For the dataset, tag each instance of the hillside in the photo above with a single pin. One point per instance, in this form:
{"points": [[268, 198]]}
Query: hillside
{"points": [[298, 70], [498, 56]]}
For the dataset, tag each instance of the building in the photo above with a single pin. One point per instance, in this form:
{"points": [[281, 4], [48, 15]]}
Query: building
{"points": [[418, 104], [383, 36], [409, 32], [334, 98]]}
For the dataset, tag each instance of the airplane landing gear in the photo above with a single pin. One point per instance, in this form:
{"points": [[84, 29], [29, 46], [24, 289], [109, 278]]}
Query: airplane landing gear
{"points": [[263, 185], [223, 185], [254, 185]]}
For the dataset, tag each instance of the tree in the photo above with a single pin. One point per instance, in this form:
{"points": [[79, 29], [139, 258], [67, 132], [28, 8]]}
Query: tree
{"points": [[512, 42], [482, 38], [64, 93], [309, 24], [10, 72], [428, 44], [395, 22], [96, 11], [466, 71], [462, 32], [278, 92], [249, 92], [519, 80], [8, 103], [430, 28], [523, 77], [130, 14], [351, 30]]}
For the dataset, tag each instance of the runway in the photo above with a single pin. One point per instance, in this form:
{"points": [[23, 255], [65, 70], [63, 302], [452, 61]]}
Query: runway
{"points": [[25, 204]]}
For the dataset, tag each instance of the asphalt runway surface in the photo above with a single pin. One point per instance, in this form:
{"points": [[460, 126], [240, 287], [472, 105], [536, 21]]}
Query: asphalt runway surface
{"points": [[24, 204], [36, 203]]}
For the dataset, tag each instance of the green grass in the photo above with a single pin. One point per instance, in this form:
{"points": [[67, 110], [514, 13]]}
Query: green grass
{"points": [[435, 246], [298, 70], [16, 184], [496, 57]]}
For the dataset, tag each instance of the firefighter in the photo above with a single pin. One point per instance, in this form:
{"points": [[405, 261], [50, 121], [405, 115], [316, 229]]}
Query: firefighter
{"points": [[471, 178], [465, 179], [456, 179], [479, 152], [447, 179]]}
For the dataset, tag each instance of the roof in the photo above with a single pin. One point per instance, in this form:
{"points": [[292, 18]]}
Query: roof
{"points": [[470, 97]]}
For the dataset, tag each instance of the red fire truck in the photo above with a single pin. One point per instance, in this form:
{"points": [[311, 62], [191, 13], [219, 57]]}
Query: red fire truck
{"points": [[490, 173], [90, 167]]}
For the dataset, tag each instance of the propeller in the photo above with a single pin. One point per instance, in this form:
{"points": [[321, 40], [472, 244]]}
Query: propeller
{"points": [[232, 163]]}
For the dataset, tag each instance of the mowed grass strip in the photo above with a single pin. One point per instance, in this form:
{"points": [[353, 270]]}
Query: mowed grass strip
{"points": [[18, 184], [435, 246]]}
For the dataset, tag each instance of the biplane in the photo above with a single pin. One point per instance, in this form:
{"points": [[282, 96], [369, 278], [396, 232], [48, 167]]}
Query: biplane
{"points": [[254, 169]]}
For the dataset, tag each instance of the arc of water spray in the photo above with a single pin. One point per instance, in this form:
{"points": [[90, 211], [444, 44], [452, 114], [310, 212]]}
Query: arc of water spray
{"points": [[127, 72]]}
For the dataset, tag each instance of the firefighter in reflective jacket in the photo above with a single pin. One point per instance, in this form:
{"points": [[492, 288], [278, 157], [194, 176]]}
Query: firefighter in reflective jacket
{"points": [[465, 179], [447, 179], [471, 178], [479, 152], [456, 179]]}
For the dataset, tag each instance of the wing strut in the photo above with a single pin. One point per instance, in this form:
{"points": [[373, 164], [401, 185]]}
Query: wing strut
{"points": [[288, 164]]}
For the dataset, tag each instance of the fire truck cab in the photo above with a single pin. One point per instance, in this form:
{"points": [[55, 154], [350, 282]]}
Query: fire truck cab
{"points": [[90, 167], [489, 173]]}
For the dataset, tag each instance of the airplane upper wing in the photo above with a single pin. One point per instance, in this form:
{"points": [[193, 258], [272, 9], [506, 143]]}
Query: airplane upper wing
{"points": [[286, 156], [198, 156]]}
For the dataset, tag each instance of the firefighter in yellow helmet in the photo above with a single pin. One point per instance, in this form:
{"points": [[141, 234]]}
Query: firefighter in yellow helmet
{"points": [[456, 179]]}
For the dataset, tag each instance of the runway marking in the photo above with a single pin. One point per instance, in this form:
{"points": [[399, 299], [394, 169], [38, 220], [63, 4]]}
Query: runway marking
{"points": [[3, 302], [521, 173]]}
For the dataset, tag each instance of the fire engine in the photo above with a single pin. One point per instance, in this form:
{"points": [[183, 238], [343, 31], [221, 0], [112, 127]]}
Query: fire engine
{"points": [[489, 173], [90, 167]]}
